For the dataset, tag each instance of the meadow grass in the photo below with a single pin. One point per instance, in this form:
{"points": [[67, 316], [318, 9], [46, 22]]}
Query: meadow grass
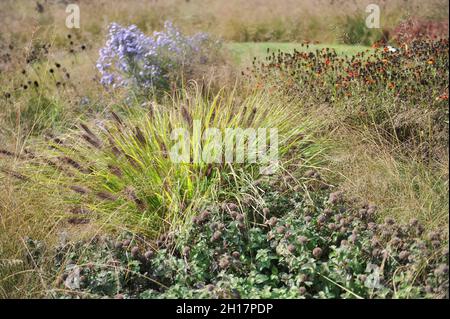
{"points": [[243, 53], [78, 161], [121, 172]]}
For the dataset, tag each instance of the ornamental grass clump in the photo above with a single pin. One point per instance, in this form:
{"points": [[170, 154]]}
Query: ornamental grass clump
{"points": [[121, 173]]}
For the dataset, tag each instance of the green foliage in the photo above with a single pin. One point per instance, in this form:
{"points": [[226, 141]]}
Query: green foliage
{"points": [[121, 171], [318, 249], [354, 31]]}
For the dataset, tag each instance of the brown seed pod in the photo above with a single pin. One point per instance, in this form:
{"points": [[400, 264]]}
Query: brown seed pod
{"points": [[317, 252], [216, 236], [403, 255], [272, 221], [224, 262], [236, 254], [186, 250], [148, 254], [302, 240], [234, 214], [126, 243], [321, 219], [135, 251]]}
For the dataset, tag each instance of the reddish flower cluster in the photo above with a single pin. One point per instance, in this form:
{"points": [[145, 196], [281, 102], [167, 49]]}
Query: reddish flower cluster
{"points": [[408, 72]]}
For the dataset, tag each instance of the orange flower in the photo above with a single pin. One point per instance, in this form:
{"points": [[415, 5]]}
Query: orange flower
{"points": [[442, 97]]}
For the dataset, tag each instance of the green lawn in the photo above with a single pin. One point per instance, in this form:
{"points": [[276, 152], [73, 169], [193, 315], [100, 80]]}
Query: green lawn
{"points": [[243, 52]]}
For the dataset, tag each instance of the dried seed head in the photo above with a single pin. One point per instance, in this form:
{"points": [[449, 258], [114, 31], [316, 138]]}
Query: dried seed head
{"points": [[433, 236], [148, 254], [310, 173], [376, 252], [205, 215], [414, 222], [436, 243], [186, 115], [317, 252], [332, 226], [216, 236], [335, 198], [224, 262], [396, 241], [126, 243], [79, 189], [403, 255], [441, 270], [186, 250], [140, 136], [213, 226], [322, 219], [302, 290], [135, 251], [117, 118], [106, 196], [272, 221]]}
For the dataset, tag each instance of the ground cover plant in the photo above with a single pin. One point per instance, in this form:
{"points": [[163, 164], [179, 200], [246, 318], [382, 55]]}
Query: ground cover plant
{"points": [[93, 203], [293, 247]]}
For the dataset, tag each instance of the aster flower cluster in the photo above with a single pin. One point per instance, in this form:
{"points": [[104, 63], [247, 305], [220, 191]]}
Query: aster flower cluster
{"points": [[129, 57]]}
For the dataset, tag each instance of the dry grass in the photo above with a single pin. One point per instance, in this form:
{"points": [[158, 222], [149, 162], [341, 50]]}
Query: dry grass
{"points": [[402, 184], [368, 168], [237, 20]]}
